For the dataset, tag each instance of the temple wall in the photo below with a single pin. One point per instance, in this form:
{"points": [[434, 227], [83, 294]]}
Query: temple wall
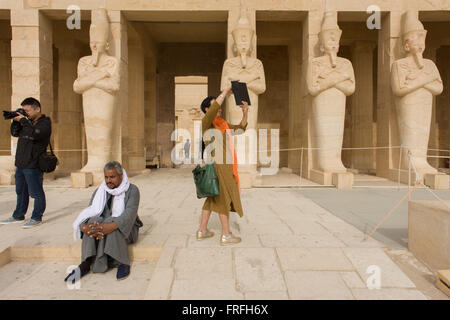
{"points": [[5, 85], [38, 57]]}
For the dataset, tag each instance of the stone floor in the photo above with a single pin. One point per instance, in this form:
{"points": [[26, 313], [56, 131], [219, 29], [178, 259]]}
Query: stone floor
{"points": [[292, 248], [365, 207]]}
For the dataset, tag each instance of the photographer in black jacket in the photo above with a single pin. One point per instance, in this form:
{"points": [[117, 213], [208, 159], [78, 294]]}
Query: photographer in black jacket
{"points": [[34, 135]]}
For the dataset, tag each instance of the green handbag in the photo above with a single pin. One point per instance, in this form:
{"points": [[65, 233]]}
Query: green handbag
{"points": [[206, 181]]}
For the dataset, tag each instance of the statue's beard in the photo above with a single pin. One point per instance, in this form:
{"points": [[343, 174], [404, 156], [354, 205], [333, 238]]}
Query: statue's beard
{"points": [[95, 57], [418, 58], [244, 59], [333, 58], [96, 54]]}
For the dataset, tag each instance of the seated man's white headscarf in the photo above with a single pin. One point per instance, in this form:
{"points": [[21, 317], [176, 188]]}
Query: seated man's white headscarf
{"points": [[99, 202]]}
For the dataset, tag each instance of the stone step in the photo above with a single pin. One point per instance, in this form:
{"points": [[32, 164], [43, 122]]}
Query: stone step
{"points": [[138, 253]]}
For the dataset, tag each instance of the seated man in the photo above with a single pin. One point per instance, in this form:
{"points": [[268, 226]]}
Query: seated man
{"points": [[108, 225]]}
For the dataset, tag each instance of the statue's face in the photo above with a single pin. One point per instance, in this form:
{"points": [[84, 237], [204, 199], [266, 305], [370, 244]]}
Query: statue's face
{"points": [[242, 40], [98, 39], [415, 42], [330, 41], [98, 46]]}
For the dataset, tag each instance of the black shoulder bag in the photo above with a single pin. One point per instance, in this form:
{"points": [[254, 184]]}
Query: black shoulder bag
{"points": [[48, 161]]}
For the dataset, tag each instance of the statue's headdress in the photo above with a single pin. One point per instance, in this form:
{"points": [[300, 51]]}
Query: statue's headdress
{"points": [[330, 22], [99, 29], [411, 23], [243, 23]]}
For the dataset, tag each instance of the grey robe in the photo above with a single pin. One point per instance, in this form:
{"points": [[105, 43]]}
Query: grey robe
{"points": [[115, 244]]}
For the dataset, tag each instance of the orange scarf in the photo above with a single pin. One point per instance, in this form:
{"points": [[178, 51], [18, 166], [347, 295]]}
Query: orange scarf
{"points": [[222, 125]]}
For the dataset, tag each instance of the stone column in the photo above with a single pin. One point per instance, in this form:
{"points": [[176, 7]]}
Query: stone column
{"points": [[434, 143], [32, 65], [310, 49], [150, 108], [5, 87], [32, 58], [119, 48], [136, 70], [362, 106], [295, 75], [140, 37], [67, 126], [6, 160], [442, 103], [165, 117], [389, 44]]}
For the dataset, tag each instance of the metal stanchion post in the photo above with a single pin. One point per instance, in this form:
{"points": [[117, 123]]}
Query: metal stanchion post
{"points": [[409, 171], [399, 167], [301, 165]]}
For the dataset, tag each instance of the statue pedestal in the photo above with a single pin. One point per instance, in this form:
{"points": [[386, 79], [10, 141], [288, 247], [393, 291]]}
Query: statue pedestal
{"points": [[7, 177], [81, 179], [7, 171], [342, 180], [98, 177], [404, 178], [437, 181], [320, 177], [50, 176], [138, 172], [246, 180]]}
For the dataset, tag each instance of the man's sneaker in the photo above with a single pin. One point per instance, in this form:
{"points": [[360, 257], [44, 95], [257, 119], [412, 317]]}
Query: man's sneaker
{"points": [[10, 220], [229, 239], [31, 224]]}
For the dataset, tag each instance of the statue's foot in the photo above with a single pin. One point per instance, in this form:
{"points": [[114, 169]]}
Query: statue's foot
{"points": [[85, 169], [335, 169], [88, 168], [423, 167]]}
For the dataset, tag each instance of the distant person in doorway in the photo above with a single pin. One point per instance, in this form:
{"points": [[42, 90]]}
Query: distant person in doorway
{"points": [[187, 149]]}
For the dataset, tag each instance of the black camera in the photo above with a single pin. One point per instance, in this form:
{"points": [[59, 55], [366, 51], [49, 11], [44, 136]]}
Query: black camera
{"points": [[8, 115]]}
